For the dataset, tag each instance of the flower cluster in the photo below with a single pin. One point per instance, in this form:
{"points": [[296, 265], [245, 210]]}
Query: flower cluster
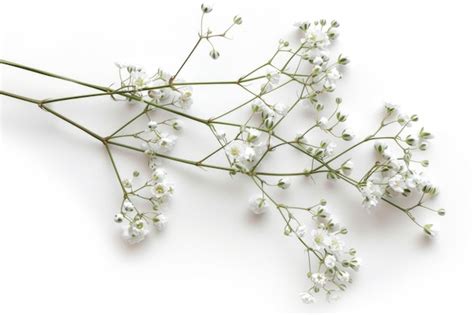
{"points": [[395, 174], [157, 138], [209, 34], [157, 88], [245, 151], [156, 191], [308, 65], [332, 271]]}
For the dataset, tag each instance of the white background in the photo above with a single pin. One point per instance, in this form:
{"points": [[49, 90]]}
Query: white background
{"points": [[62, 253]]}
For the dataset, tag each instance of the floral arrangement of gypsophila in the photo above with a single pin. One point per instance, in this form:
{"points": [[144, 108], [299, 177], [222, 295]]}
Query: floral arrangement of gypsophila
{"points": [[307, 65]]}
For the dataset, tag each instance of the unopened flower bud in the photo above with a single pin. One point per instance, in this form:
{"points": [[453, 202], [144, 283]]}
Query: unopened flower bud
{"points": [[237, 20], [206, 8]]}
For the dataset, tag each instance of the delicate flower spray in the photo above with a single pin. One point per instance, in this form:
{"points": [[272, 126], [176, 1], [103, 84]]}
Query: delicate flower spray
{"points": [[395, 174]]}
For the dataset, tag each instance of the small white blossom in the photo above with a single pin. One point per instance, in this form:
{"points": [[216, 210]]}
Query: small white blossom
{"points": [[431, 230], [334, 74], [301, 231], [284, 183], [118, 218], [152, 125], [404, 119], [166, 142], [220, 134], [177, 124], [273, 77], [397, 183], [185, 100], [344, 276], [323, 122], [329, 85], [319, 279], [330, 261], [160, 221], [158, 175], [133, 234], [332, 296], [281, 108], [320, 237], [258, 205], [372, 194], [306, 298], [128, 206]]}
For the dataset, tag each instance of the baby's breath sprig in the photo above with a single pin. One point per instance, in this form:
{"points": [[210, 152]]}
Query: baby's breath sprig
{"points": [[397, 176]]}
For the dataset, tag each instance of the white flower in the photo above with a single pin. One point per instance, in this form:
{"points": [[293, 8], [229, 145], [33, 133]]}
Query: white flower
{"points": [[397, 183], [329, 149], [284, 182], [249, 154], [138, 78], [220, 134], [391, 107], [318, 61], [416, 179], [388, 154], [300, 231], [127, 183], [267, 111], [306, 298], [330, 261], [329, 85], [177, 124], [152, 125], [273, 77], [257, 106], [157, 95], [302, 25], [118, 218], [371, 193], [162, 191], [431, 230], [158, 175], [235, 149], [344, 276], [166, 142], [404, 119], [160, 221], [281, 108], [258, 205], [133, 234], [333, 74], [323, 122], [300, 138], [320, 237], [128, 206], [316, 37], [184, 100], [154, 163], [252, 134], [319, 279], [335, 244], [355, 263], [332, 296]]}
